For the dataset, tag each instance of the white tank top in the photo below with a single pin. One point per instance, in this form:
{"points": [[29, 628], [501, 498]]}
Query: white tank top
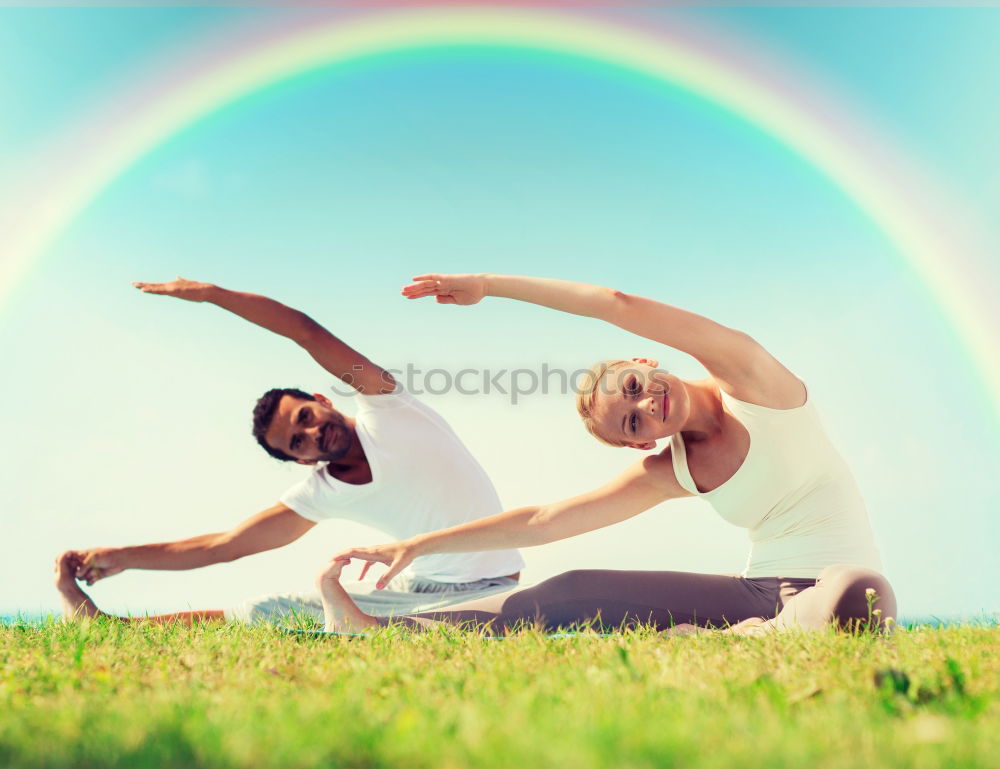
{"points": [[794, 493]]}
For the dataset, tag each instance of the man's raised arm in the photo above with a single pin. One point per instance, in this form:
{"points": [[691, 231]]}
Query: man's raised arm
{"points": [[338, 358], [272, 528]]}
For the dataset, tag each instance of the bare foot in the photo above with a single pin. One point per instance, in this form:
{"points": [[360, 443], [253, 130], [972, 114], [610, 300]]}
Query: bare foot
{"points": [[75, 602], [685, 628], [340, 612], [751, 626]]}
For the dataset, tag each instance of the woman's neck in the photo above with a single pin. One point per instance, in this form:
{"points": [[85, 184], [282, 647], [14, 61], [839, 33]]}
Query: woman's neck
{"points": [[704, 419]]}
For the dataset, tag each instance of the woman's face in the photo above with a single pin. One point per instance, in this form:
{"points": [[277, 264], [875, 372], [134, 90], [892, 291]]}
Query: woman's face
{"points": [[638, 404]]}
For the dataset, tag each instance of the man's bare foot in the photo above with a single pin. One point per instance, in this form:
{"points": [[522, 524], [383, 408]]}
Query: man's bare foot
{"points": [[340, 612], [75, 602]]}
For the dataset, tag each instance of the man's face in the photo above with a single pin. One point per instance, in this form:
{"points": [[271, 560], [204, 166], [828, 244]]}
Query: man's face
{"points": [[309, 431]]}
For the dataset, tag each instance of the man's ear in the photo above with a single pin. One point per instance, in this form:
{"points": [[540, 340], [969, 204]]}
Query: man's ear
{"points": [[323, 399], [652, 362]]}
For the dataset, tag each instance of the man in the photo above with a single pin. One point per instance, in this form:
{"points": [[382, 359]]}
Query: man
{"points": [[396, 466]]}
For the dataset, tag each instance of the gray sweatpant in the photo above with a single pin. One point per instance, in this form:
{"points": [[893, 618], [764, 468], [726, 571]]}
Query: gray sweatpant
{"points": [[404, 595], [667, 598]]}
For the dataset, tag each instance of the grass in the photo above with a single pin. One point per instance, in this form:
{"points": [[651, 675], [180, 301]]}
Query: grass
{"points": [[103, 694]]}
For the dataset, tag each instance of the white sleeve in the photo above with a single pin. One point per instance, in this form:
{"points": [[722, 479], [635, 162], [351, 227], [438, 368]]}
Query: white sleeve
{"points": [[397, 398], [310, 497], [369, 406]]}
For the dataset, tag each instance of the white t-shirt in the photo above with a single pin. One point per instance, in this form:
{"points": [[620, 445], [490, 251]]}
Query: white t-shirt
{"points": [[423, 479]]}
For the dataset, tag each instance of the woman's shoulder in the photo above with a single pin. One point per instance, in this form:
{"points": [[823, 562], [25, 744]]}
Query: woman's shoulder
{"points": [[793, 399]]}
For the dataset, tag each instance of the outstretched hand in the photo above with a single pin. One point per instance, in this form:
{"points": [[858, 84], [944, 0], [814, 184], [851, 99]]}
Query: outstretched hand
{"points": [[96, 563], [448, 289], [397, 555], [181, 288]]}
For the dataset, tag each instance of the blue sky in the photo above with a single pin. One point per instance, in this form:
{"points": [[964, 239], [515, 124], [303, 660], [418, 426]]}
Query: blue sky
{"points": [[130, 414]]}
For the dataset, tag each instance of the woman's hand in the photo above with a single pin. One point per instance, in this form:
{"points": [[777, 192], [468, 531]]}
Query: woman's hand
{"points": [[397, 555], [181, 288], [449, 289]]}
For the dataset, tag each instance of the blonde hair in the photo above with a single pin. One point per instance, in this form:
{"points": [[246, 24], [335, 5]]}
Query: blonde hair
{"points": [[587, 393]]}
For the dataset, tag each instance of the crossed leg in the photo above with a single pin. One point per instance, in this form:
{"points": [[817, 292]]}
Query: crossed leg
{"points": [[853, 597]]}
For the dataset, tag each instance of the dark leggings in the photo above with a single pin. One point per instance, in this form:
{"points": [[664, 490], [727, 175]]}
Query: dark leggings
{"points": [[667, 598]]}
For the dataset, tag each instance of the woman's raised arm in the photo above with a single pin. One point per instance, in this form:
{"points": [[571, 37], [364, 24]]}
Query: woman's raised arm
{"points": [[732, 357], [640, 487], [719, 348]]}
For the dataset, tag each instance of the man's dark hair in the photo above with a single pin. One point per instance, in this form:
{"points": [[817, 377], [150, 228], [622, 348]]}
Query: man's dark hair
{"points": [[263, 413]]}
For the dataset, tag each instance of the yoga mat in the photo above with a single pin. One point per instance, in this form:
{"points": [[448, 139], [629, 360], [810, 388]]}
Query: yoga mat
{"points": [[319, 633]]}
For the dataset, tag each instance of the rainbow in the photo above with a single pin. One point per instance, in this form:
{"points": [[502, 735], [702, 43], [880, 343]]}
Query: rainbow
{"points": [[831, 146]]}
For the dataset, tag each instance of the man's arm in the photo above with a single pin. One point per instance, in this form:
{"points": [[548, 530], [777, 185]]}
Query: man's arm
{"points": [[272, 528], [331, 353]]}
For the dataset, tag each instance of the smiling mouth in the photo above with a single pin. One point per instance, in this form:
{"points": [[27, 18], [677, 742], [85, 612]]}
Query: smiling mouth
{"points": [[665, 408], [324, 439]]}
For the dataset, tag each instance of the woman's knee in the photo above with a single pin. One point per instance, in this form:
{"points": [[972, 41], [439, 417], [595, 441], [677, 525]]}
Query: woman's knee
{"points": [[569, 584], [860, 596], [534, 602]]}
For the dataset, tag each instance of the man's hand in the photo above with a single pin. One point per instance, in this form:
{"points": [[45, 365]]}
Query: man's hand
{"points": [[97, 563], [398, 556], [449, 289], [182, 288]]}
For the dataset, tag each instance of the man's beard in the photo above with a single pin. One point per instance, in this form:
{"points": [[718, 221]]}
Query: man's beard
{"points": [[339, 438]]}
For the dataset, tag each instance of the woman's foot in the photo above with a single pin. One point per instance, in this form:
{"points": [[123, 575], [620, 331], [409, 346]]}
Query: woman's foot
{"points": [[685, 628], [75, 603], [751, 626], [340, 612]]}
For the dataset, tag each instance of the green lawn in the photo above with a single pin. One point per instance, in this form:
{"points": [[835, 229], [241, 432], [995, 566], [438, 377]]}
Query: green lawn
{"points": [[104, 694]]}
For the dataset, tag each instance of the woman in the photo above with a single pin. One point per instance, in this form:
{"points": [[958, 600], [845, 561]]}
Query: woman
{"points": [[747, 439]]}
